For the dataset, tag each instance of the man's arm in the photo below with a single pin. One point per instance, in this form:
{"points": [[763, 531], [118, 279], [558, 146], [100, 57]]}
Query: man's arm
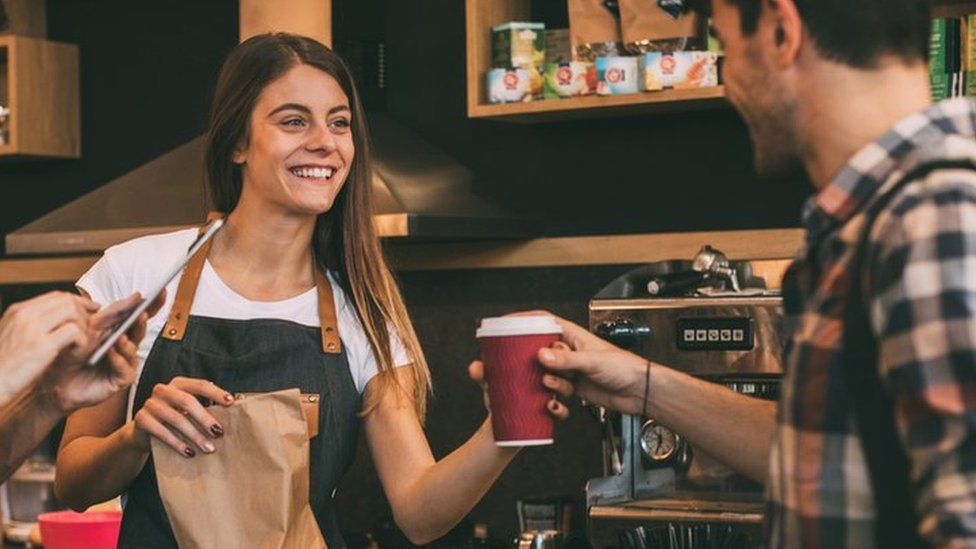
{"points": [[24, 423], [924, 309], [48, 348], [716, 420]]}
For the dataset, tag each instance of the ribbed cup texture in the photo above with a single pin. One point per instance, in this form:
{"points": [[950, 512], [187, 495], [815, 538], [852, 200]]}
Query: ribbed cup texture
{"points": [[514, 377]]}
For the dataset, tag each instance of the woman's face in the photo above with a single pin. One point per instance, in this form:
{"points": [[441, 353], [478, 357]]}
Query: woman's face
{"points": [[300, 147]]}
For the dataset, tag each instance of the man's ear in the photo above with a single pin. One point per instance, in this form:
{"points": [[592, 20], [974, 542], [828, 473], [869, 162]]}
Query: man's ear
{"points": [[784, 26]]}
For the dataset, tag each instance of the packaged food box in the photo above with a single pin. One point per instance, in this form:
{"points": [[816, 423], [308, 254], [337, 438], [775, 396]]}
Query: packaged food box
{"points": [[520, 45], [616, 75], [679, 70], [572, 79], [558, 49], [509, 85]]}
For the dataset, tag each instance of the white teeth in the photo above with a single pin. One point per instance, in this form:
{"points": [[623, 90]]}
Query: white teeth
{"points": [[317, 173]]}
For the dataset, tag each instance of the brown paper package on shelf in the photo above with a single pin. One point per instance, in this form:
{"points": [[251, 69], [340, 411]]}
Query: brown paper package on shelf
{"points": [[593, 29], [645, 26], [253, 491]]}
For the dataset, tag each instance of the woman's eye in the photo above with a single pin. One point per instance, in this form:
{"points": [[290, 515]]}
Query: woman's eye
{"points": [[296, 122], [340, 124]]}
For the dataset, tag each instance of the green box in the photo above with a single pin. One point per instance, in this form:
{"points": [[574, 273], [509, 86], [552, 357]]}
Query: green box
{"points": [[937, 47], [516, 44], [940, 84]]}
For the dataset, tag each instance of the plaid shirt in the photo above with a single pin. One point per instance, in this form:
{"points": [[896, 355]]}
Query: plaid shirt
{"points": [[921, 283]]}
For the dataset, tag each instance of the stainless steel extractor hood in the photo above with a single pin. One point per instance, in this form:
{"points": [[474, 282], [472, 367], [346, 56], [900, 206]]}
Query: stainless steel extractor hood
{"points": [[421, 192]]}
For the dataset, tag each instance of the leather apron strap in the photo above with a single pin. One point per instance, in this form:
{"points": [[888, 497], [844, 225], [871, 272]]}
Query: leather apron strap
{"points": [[179, 315]]}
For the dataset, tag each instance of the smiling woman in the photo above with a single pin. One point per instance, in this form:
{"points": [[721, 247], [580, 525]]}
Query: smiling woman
{"points": [[293, 293]]}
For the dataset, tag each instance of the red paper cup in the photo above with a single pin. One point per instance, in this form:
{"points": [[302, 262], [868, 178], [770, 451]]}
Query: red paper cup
{"points": [[509, 346]]}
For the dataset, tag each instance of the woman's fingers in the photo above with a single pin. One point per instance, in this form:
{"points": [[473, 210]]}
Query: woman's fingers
{"points": [[169, 415], [203, 388], [146, 422], [187, 405], [561, 386], [557, 409], [476, 371]]}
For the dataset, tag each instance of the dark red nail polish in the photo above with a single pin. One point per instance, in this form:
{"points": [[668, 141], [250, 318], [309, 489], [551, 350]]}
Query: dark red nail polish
{"points": [[188, 452], [216, 430]]}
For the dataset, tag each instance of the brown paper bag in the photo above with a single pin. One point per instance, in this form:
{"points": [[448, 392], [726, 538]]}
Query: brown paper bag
{"points": [[251, 493], [645, 26], [593, 29]]}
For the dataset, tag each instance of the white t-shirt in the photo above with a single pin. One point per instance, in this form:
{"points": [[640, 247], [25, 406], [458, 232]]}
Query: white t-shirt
{"points": [[137, 265]]}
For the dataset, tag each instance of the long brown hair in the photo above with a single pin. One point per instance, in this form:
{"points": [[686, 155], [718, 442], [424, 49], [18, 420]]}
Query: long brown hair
{"points": [[345, 240]]}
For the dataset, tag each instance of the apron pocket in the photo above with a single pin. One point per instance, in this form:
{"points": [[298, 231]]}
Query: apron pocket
{"points": [[310, 406]]}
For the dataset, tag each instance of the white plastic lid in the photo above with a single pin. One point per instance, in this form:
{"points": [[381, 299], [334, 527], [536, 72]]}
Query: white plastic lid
{"points": [[518, 325]]}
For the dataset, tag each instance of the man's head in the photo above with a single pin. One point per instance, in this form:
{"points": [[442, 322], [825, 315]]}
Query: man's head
{"points": [[773, 46]]}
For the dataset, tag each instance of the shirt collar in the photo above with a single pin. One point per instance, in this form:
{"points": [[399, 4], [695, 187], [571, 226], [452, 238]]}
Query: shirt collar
{"points": [[913, 140]]}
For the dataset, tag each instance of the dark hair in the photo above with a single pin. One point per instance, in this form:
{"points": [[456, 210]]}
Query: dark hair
{"points": [[345, 240], [854, 32]]}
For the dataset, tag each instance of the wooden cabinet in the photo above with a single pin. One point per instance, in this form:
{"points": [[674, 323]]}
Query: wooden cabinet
{"points": [[482, 15], [39, 84]]}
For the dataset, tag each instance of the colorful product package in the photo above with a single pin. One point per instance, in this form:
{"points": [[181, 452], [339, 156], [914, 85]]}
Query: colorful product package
{"points": [[617, 75], [509, 85], [572, 79], [558, 49], [521, 45], [516, 44], [679, 70]]}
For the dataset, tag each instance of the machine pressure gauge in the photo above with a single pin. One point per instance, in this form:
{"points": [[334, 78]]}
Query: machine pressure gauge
{"points": [[659, 444]]}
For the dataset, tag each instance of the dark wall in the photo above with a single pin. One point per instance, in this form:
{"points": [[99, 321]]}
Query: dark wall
{"points": [[147, 73], [690, 171]]}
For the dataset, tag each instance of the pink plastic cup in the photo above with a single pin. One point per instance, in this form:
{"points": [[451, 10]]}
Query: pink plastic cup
{"points": [[70, 530], [509, 346]]}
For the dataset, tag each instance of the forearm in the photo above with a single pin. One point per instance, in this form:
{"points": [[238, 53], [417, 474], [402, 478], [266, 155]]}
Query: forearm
{"points": [[441, 496], [24, 422], [94, 469], [714, 419]]}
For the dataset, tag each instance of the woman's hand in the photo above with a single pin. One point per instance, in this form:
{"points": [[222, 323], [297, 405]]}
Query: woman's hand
{"points": [[174, 415]]}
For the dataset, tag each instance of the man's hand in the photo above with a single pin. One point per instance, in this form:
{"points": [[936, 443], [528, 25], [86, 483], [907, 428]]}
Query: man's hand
{"points": [[476, 370], [595, 370], [35, 332], [73, 384]]}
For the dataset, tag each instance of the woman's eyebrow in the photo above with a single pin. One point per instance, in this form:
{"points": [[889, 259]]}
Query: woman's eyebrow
{"points": [[290, 106], [338, 108]]}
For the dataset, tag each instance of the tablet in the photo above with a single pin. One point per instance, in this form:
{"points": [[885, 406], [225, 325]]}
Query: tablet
{"points": [[148, 297]]}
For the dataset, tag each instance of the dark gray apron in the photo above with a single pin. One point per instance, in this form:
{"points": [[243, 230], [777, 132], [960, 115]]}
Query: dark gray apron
{"points": [[245, 356]]}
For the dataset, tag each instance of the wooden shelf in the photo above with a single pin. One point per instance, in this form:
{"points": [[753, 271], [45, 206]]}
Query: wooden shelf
{"points": [[481, 15], [953, 8], [39, 83], [577, 251], [598, 106]]}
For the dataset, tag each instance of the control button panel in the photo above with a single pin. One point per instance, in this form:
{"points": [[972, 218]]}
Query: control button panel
{"points": [[715, 334]]}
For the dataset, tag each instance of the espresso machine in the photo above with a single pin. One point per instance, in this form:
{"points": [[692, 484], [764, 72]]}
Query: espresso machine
{"points": [[712, 318]]}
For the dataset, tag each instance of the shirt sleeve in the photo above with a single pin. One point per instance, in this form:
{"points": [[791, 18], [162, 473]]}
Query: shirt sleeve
{"points": [[102, 282], [924, 309]]}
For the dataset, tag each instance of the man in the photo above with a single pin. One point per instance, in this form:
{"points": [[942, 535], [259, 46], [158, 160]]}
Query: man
{"points": [[44, 345], [841, 86]]}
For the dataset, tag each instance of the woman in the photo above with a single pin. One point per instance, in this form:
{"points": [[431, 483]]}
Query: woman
{"points": [[293, 292]]}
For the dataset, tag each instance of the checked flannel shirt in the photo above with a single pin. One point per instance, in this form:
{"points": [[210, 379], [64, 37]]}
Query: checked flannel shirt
{"points": [[921, 284]]}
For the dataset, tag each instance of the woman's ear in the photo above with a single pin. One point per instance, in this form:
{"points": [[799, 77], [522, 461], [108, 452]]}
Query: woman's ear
{"points": [[240, 156]]}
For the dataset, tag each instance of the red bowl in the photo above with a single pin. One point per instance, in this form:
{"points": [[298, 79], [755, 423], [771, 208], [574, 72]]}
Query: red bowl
{"points": [[70, 530]]}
